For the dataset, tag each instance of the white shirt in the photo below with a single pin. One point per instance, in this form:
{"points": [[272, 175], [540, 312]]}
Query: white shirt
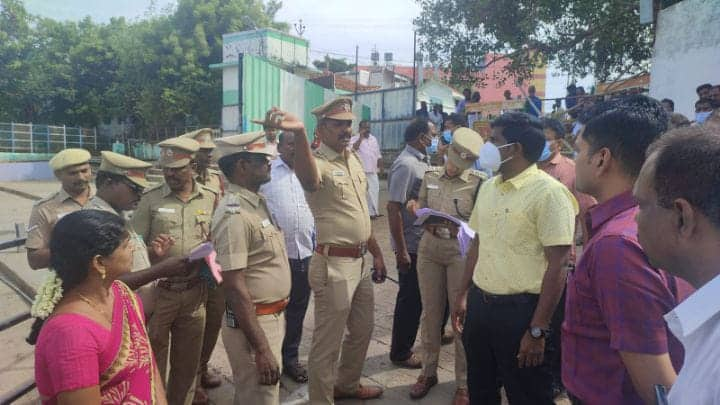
{"points": [[696, 323], [286, 201]]}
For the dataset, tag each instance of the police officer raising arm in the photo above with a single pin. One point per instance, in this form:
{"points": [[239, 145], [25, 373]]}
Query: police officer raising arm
{"points": [[336, 189]]}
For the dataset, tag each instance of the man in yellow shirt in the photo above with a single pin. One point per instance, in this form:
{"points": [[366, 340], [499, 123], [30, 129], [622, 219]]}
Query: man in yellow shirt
{"points": [[515, 271]]}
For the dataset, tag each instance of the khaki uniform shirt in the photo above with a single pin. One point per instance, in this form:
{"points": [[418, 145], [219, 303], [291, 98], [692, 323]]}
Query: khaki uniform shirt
{"points": [[340, 205], [453, 196], [247, 239], [212, 181], [141, 259], [161, 211], [45, 214]]}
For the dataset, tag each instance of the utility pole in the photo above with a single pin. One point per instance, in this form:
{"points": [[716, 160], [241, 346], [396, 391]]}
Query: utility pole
{"points": [[357, 70], [414, 71]]}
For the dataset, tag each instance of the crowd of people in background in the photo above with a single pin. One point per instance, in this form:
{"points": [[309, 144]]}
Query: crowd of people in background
{"points": [[577, 257]]}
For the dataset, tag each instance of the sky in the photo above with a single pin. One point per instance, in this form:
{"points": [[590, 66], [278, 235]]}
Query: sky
{"points": [[331, 26]]}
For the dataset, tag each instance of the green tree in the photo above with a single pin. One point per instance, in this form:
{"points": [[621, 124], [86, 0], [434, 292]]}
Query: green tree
{"points": [[603, 38], [333, 64]]}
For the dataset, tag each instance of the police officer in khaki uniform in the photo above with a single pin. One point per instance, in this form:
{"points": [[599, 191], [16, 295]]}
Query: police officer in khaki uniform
{"points": [[120, 183], [72, 168], [336, 187], [181, 208], [215, 305], [450, 189], [256, 274], [204, 174]]}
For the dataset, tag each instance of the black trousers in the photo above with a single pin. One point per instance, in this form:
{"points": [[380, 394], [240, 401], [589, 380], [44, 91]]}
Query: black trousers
{"points": [[296, 309], [491, 336], [553, 344], [408, 309]]}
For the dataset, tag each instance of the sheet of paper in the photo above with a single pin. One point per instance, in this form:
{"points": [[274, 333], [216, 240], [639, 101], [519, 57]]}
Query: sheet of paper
{"points": [[202, 250], [465, 233]]}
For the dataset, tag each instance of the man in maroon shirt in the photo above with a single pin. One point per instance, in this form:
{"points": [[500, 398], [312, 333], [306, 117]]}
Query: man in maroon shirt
{"points": [[615, 343]]}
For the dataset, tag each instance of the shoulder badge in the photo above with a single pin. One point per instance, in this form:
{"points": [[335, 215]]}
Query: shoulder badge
{"points": [[479, 174]]}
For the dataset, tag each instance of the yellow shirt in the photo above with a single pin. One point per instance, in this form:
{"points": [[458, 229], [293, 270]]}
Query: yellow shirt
{"points": [[515, 220], [340, 205]]}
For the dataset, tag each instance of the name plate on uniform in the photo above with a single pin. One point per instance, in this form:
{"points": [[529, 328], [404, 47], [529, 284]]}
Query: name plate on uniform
{"points": [[166, 210], [338, 173], [432, 187]]}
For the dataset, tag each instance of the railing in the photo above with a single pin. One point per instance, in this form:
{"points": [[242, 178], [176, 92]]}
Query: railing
{"points": [[35, 138], [26, 293]]}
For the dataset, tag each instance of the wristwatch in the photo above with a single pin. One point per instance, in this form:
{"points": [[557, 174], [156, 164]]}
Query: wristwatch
{"points": [[537, 332]]}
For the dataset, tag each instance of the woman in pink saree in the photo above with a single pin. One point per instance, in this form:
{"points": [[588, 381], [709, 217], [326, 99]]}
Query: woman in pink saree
{"points": [[92, 346]]}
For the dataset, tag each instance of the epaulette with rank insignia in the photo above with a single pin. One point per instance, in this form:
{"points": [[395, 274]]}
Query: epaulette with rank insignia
{"points": [[477, 173]]}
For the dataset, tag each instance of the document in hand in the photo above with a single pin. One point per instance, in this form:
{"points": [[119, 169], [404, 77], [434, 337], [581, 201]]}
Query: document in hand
{"points": [[207, 252], [465, 233]]}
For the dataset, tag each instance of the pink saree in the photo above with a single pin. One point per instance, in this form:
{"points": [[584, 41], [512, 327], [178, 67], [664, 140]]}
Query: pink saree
{"points": [[74, 352]]}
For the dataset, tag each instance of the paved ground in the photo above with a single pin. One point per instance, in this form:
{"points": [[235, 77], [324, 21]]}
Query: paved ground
{"points": [[16, 363]]}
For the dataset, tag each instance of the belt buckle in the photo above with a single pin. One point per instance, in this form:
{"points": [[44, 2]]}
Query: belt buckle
{"points": [[363, 249]]}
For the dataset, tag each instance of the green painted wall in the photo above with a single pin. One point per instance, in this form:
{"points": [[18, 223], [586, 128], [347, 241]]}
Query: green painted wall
{"points": [[314, 96], [261, 90]]}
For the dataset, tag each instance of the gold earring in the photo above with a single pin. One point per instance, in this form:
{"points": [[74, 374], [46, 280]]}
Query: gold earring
{"points": [[102, 274]]}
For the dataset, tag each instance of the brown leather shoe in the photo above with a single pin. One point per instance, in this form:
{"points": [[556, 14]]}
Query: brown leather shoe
{"points": [[422, 386], [209, 380], [461, 397], [411, 362], [201, 397], [362, 393]]}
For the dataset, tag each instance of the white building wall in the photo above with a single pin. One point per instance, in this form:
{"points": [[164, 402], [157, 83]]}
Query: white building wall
{"points": [[253, 46], [230, 78], [687, 52], [230, 120]]}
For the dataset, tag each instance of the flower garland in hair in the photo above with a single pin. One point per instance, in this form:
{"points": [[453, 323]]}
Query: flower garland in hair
{"points": [[48, 295]]}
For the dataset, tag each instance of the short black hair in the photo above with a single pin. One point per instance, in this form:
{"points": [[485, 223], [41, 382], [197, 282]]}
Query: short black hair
{"points": [[555, 125], [626, 125], [458, 119], [522, 128], [687, 166], [416, 127], [703, 87], [227, 164], [672, 103]]}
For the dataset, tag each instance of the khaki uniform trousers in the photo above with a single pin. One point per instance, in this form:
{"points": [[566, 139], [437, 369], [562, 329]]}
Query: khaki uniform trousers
{"points": [[214, 315], [440, 269], [177, 326], [241, 355], [343, 294]]}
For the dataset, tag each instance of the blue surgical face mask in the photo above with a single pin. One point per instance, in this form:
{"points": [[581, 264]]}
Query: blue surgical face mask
{"points": [[701, 117], [546, 153], [432, 149], [447, 136]]}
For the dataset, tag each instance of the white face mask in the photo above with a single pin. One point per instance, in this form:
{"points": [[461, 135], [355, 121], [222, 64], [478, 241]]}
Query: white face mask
{"points": [[490, 158], [701, 117]]}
